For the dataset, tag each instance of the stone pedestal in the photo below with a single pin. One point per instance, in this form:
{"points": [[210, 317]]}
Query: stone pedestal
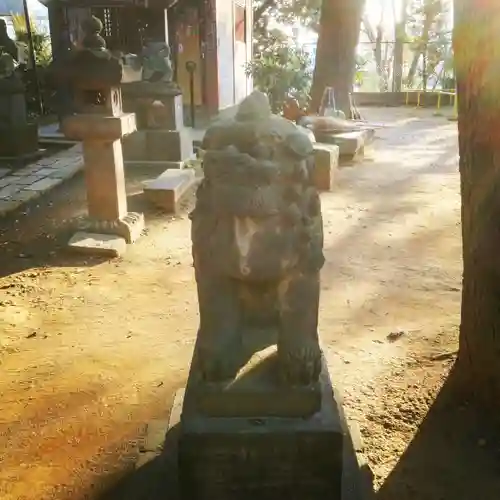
{"points": [[104, 175], [18, 137], [161, 138], [258, 440]]}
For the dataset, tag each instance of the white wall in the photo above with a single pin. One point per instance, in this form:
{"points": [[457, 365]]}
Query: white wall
{"points": [[225, 52]]}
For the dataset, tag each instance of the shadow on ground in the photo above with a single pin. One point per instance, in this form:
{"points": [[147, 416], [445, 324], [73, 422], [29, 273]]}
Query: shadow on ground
{"points": [[454, 455], [36, 234]]}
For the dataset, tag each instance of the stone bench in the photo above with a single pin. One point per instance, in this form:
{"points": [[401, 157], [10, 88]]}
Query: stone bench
{"points": [[167, 190], [326, 162], [351, 144]]}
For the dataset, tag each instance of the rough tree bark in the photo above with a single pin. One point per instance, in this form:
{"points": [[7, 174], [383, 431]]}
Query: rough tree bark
{"points": [[335, 66], [477, 59]]}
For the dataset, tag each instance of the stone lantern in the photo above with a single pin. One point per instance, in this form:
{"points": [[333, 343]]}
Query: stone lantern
{"points": [[95, 77]]}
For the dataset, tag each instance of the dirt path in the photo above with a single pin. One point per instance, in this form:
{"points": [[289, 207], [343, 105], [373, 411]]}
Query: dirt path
{"points": [[91, 350]]}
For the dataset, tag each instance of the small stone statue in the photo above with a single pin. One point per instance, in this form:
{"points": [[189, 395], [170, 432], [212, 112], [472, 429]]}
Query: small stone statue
{"points": [[7, 65], [92, 39], [7, 45], [156, 64], [257, 237]]}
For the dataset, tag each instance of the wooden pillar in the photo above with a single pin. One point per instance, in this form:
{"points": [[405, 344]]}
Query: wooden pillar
{"points": [[211, 59]]}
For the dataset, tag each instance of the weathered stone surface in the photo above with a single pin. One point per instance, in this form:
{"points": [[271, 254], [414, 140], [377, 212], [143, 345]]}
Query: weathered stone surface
{"points": [[9, 190], [145, 457], [43, 185], [326, 161], [129, 227], [27, 180], [166, 191], [350, 144], [257, 236], [8, 181], [66, 163], [7, 206], [168, 145], [263, 457], [105, 179], [4, 172], [83, 127], [154, 437], [255, 392], [24, 195], [19, 140], [98, 244]]}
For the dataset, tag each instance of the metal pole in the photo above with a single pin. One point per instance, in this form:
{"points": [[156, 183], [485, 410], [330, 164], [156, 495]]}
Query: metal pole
{"points": [[32, 54]]}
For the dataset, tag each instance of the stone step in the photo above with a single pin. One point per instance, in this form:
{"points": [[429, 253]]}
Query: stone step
{"points": [[167, 189]]}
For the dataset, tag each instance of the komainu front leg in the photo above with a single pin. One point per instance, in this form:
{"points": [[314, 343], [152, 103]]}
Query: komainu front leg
{"points": [[298, 347], [219, 336]]}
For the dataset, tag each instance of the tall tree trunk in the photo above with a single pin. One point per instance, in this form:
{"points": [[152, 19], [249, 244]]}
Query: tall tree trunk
{"points": [[477, 58], [431, 10], [336, 52], [399, 45]]}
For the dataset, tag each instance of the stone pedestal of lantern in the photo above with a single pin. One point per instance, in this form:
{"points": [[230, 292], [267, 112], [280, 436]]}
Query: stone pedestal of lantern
{"points": [[100, 123], [18, 136]]}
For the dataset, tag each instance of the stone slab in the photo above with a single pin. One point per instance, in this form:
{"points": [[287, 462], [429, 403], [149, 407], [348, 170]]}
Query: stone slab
{"points": [[27, 180], [326, 161], [350, 143], [166, 165], [168, 145], [7, 206], [166, 191], [267, 458], [87, 126], [43, 185], [105, 245], [255, 392], [4, 172], [24, 195], [9, 180], [7, 191]]}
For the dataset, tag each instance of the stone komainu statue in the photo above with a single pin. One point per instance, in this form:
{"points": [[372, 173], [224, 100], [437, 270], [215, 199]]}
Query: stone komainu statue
{"points": [[257, 236]]}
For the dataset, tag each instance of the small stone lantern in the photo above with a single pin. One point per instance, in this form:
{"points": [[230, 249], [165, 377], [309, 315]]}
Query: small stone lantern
{"points": [[95, 76]]}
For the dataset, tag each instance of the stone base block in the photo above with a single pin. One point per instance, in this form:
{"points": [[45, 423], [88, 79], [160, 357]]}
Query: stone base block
{"points": [[105, 245], [351, 144], [269, 458], [18, 141], [129, 227], [166, 165], [134, 147], [326, 161], [168, 145], [166, 191]]}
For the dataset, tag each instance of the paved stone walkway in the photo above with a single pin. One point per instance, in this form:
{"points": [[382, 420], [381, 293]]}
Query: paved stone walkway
{"points": [[24, 184]]}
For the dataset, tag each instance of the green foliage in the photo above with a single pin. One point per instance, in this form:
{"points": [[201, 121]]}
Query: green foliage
{"points": [[281, 70], [41, 41]]}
